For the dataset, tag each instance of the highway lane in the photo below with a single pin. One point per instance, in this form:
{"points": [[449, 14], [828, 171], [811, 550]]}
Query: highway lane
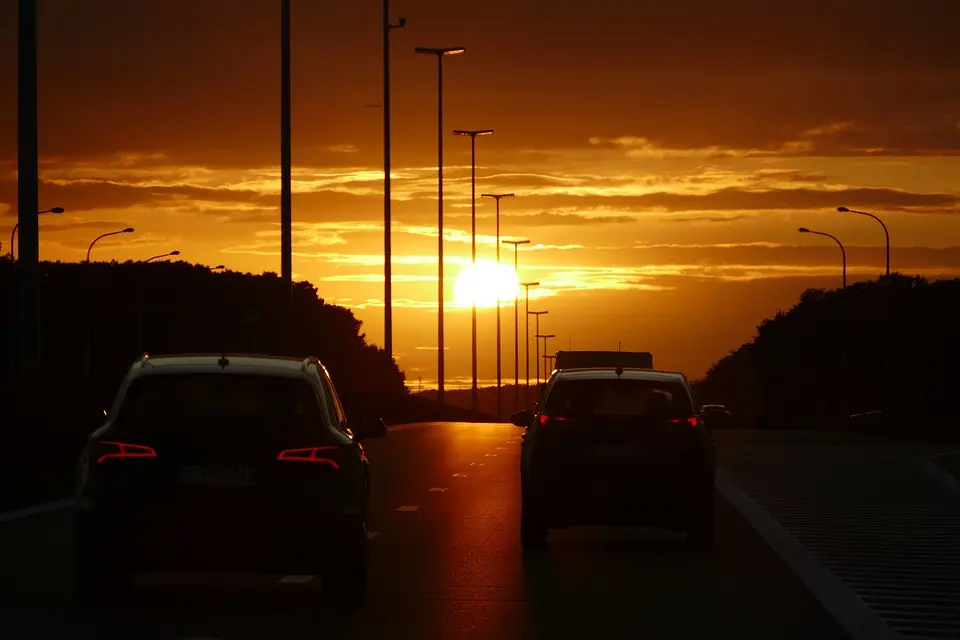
{"points": [[447, 566]]}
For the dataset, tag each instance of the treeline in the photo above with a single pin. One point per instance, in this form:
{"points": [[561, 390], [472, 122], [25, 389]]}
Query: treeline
{"points": [[792, 371]]}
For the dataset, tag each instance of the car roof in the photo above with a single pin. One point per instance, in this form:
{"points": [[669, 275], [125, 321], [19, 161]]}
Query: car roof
{"points": [[628, 373], [249, 364]]}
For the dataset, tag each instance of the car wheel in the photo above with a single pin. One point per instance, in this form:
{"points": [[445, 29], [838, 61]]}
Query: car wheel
{"points": [[700, 531], [344, 583], [533, 532]]}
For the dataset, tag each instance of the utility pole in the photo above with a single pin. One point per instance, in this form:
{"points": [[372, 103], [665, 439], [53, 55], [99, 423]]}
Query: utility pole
{"points": [[286, 187], [28, 201], [387, 194]]}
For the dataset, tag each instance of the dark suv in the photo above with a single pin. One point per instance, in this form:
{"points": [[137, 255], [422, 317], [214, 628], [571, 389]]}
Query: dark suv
{"points": [[616, 447], [224, 463]]}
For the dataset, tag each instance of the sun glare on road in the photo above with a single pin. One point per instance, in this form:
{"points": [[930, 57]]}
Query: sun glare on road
{"points": [[484, 283]]}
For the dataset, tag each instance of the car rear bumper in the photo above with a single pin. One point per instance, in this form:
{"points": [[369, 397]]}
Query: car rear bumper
{"points": [[155, 540], [654, 496]]}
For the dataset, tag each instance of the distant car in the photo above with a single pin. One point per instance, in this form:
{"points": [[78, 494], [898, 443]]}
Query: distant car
{"points": [[717, 416], [224, 463], [616, 447]]}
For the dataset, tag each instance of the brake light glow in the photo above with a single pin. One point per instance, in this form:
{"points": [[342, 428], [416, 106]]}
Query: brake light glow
{"points": [[124, 450], [321, 455], [544, 418], [693, 421]]}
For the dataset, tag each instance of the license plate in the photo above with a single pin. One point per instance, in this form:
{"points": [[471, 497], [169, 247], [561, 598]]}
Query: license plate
{"points": [[623, 451], [218, 476]]}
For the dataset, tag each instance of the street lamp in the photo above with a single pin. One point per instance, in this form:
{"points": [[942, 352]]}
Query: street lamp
{"points": [[88, 358], [387, 245], [845, 357], [440, 53], [497, 197], [545, 338], [139, 291], [13, 234], [516, 321], [104, 235], [887, 320], [536, 341], [175, 252], [473, 133], [526, 334]]}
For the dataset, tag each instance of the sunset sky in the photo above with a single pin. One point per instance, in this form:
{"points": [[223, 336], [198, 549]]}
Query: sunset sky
{"points": [[663, 154]]}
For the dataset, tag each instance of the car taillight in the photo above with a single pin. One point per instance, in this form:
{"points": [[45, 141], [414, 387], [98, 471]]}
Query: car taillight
{"points": [[544, 418], [123, 450], [693, 421], [320, 455]]}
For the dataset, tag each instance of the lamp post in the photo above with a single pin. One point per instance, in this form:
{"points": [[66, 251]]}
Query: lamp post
{"points": [[516, 321], [387, 245], [473, 133], [536, 341], [440, 53], [88, 360], [497, 197], [13, 233], [845, 346], [139, 290], [28, 201], [887, 319], [526, 335], [286, 145], [545, 338]]}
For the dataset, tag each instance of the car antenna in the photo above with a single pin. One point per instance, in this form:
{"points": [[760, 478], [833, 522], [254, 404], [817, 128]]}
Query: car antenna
{"points": [[223, 362], [619, 372]]}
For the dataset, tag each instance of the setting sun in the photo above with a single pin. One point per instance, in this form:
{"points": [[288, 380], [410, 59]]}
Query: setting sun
{"points": [[484, 283]]}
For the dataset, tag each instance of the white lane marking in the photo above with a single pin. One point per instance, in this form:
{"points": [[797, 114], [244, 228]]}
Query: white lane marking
{"points": [[37, 509], [473, 464], [501, 448], [438, 489], [409, 507], [459, 475], [940, 474], [850, 611], [296, 579], [372, 534], [489, 455], [480, 464]]}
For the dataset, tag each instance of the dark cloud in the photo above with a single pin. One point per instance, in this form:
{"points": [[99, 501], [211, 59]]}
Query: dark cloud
{"points": [[739, 199], [544, 219]]}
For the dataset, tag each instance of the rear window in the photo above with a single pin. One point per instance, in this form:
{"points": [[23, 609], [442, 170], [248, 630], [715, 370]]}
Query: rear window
{"points": [[198, 396], [623, 397]]}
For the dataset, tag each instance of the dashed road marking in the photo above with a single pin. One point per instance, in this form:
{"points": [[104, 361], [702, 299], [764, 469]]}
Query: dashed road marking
{"points": [[441, 489], [489, 455], [501, 448], [459, 475], [296, 579], [409, 507], [473, 464]]}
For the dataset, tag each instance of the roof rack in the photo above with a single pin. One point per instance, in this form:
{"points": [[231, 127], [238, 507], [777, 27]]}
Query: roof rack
{"points": [[310, 360]]}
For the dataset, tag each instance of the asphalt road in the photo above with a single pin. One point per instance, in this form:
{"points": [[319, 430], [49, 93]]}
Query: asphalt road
{"points": [[445, 563]]}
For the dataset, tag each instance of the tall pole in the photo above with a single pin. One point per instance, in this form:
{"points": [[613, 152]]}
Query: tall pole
{"points": [[516, 316], [545, 356], [440, 54], [473, 133], [536, 335], [888, 407], [387, 195], [286, 189], [526, 335], [845, 321], [28, 201], [499, 340]]}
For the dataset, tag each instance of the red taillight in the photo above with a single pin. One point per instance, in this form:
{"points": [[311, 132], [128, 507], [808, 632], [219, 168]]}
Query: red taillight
{"points": [[321, 455], [124, 450], [544, 418], [693, 421]]}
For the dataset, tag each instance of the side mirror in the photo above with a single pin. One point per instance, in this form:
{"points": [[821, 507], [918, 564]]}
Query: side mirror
{"points": [[522, 418], [370, 427]]}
